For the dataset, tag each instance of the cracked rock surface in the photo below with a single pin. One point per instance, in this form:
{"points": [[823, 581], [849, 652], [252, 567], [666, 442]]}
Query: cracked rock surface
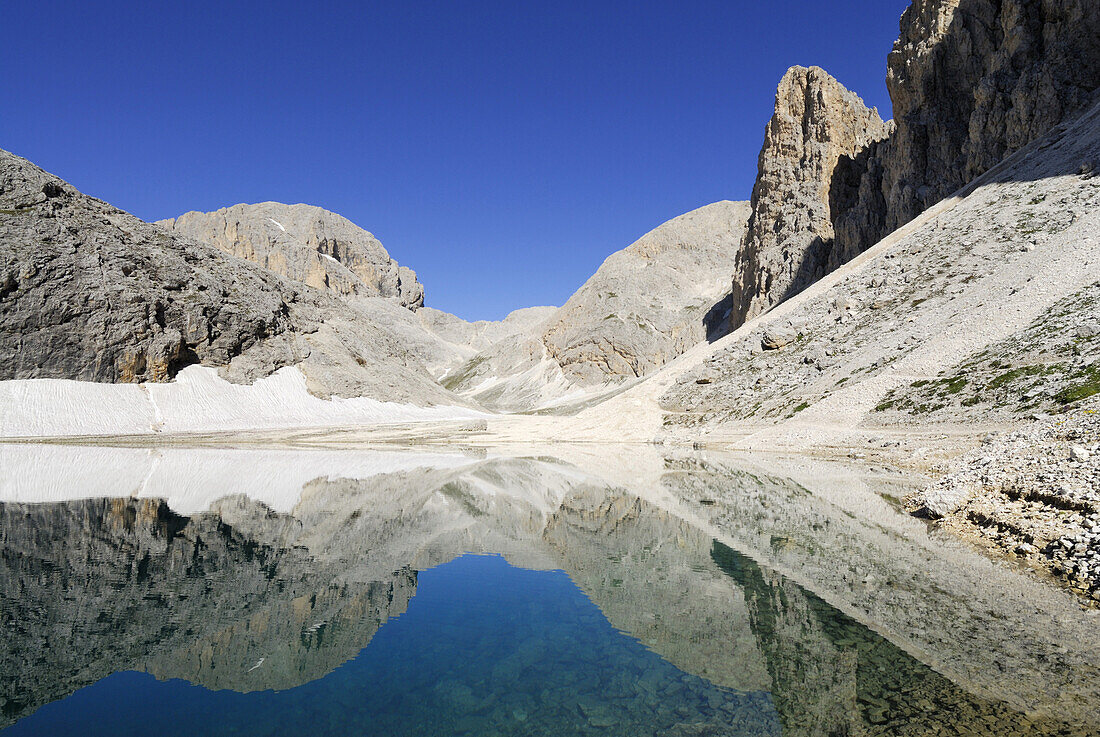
{"points": [[817, 123], [307, 244], [1034, 493], [91, 293]]}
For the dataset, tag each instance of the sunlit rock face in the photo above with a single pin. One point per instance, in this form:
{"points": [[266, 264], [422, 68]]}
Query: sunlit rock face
{"points": [[971, 82], [91, 293], [649, 302], [789, 241], [307, 244]]}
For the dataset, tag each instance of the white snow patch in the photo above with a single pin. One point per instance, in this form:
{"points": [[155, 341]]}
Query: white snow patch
{"points": [[278, 224], [190, 480], [197, 401], [52, 407]]}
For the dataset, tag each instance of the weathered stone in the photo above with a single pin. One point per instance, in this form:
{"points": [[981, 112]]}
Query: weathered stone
{"points": [[790, 232], [646, 305], [650, 302], [777, 336], [972, 81], [307, 244], [91, 293]]}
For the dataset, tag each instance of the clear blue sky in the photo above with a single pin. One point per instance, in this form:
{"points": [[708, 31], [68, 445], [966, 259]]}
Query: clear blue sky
{"points": [[501, 149]]}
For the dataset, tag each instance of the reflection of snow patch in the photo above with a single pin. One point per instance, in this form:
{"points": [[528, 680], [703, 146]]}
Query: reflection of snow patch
{"points": [[258, 664], [192, 479], [330, 258], [197, 401], [277, 223]]}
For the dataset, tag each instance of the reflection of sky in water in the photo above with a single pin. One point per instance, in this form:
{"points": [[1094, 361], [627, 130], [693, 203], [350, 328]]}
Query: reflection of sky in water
{"points": [[864, 633], [484, 648]]}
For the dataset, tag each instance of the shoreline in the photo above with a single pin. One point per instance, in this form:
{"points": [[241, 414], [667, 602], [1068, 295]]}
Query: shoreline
{"points": [[924, 457]]}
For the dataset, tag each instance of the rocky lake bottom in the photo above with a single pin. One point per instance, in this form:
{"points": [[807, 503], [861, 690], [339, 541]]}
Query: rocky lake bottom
{"points": [[406, 593]]}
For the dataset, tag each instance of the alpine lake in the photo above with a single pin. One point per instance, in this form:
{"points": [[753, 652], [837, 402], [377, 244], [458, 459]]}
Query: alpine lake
{"points": [[546, 591]]}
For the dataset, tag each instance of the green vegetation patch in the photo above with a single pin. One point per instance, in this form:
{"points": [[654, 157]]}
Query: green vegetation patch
{"points": [[464, 374], [955, 384], [1012, 375], [1087, 384]]}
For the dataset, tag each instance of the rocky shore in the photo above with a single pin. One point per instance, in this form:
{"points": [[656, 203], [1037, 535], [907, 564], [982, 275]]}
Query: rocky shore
{"points": [[1033, 493]]}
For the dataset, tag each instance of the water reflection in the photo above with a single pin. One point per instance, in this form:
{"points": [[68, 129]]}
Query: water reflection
{"points": [[644, 607]]}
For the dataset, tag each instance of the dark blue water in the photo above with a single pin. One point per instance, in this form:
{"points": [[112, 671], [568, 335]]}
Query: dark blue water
{"points": [[484, 648]]}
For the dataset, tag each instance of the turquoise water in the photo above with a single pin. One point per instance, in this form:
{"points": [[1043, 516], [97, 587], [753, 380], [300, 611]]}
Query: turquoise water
{"points": [[484, 648]]}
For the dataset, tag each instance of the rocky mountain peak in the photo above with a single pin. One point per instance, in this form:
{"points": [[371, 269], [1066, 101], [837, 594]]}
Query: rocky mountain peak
{"points": [[308, 244], [816, 123], [972, 81]]}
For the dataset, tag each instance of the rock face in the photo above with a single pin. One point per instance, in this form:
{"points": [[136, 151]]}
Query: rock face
{"points": [[979, 312], [91, 293], [789, 242], [326, 251], [649, 302], [972, 81], [307, 244], [644, 306]]}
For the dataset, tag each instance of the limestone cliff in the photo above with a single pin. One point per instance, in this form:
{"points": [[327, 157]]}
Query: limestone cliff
{"points": [[790, 234], [91, 293], [307, 244], [972, 81]]}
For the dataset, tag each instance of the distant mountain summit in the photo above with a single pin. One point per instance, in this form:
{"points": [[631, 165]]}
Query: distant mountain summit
{"points": [[644, 306], [307, 244]]}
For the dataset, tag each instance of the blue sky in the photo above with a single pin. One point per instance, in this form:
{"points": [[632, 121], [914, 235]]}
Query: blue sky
{"points": [[501, 149]]}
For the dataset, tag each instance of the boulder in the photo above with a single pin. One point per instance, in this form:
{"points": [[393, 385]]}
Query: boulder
{"points": [[777, 337]]}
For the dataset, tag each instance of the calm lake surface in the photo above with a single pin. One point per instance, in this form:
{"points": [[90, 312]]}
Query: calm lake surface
{"points": [[609, 592]]}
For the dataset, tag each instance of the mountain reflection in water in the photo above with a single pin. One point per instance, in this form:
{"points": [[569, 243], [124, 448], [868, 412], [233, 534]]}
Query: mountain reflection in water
{"points": [[686, 594]]}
